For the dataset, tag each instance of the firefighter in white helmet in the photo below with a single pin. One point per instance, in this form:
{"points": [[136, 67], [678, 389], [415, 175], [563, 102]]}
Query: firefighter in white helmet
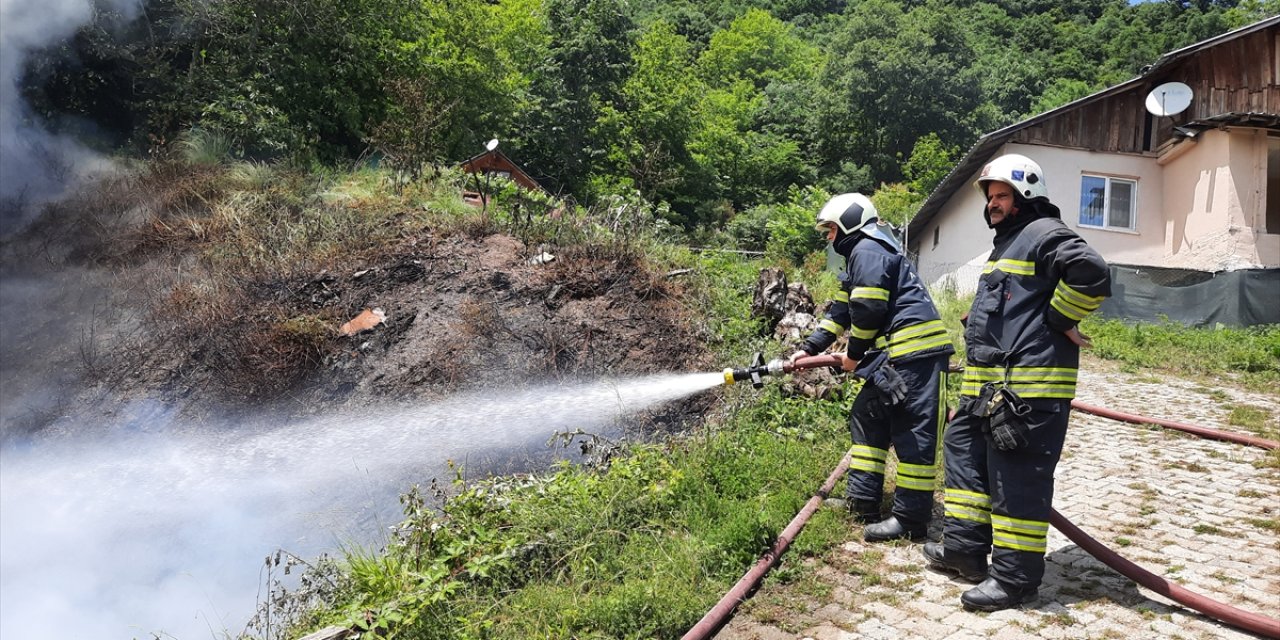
{"points": [[1022, 356], [881, 299]]}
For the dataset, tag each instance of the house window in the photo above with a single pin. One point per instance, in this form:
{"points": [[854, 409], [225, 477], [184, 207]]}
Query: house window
{"points": [[1108, 203], [935, 236]]}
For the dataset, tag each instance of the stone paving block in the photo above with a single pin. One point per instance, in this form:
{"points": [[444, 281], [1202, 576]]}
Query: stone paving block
{"points": [[923, 629], [754, 632], [1082, 616], [1164, 628], [979, 622], [965, 634], [1051, 632], [877, 630], [1263, 585], [828, 631], [885, 613], [1181, 552], [853, 546], [931, 610], [843, 596], [836, 615], [1013, 632]]}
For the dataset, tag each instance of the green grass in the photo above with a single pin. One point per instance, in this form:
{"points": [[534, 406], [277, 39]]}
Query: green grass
{"points": [[640, 548], [644, 546], [1250, 354], [1256, 420]]}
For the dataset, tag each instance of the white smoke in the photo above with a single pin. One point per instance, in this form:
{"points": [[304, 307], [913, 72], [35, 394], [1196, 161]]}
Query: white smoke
{"points": [[35, 165], [155, 529]]}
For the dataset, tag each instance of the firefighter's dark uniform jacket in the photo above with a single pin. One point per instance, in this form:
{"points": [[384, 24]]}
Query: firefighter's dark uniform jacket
{"points": [[883, 300], [1040, 281]]}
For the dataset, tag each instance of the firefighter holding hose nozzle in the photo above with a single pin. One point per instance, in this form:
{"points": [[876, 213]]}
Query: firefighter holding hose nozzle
{"points": [[882, 300], [1022, 357]]}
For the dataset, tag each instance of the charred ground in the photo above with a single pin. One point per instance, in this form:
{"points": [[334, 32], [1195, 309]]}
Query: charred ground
{"points": [[125, 292]]}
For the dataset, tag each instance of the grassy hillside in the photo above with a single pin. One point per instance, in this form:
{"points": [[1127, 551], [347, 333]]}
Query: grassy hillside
{"points": [[243, 274]]}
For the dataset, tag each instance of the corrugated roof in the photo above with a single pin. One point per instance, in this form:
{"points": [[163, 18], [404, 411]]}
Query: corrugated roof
{"points": [[981, 150]]}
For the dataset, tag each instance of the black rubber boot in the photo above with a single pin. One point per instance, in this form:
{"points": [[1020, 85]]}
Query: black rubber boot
{"points": [[865, 511], [992, 595], [893, 529], [970, 568]]}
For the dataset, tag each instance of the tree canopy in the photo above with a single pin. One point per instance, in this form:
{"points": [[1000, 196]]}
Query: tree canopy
{"points": [[711, 107]]}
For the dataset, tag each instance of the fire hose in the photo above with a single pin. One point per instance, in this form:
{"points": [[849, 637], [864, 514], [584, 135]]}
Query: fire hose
{"points": [[777, 367], [1203, 432], [719, 614]]}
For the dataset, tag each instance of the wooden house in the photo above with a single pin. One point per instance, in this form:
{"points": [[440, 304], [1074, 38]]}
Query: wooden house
{"points": [[1185, 206]]}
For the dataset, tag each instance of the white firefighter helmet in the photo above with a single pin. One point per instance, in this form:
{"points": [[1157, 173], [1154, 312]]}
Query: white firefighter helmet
{"points": [[853, 212], [849, 212], [1019, 172]]}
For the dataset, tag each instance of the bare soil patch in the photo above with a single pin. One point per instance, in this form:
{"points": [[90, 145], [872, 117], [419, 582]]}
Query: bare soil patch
{"points": [[460, 312]]}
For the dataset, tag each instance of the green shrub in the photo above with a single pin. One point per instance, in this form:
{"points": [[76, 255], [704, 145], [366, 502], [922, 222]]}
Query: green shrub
{"points": [[790, 225]]}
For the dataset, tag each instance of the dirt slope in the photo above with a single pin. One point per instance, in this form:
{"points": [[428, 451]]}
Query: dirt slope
{"points": [[86, 333]]}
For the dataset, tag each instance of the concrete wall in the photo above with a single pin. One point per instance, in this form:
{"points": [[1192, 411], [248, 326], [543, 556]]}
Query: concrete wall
{"points": [[1200, 205], [964, 242], [1216, 191]]}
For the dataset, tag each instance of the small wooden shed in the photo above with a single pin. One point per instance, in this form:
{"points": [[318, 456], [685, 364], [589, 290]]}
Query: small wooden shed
{"points": [[496, 163]]}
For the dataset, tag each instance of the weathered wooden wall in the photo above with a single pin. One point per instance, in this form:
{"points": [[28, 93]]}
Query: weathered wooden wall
{"points": [[1238, 76]]}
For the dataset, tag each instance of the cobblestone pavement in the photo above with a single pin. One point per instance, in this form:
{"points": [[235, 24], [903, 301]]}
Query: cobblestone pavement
{"points": [[1201, 513]]}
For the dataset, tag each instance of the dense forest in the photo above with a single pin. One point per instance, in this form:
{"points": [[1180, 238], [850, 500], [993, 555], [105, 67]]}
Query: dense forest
{"points": [[715, 110]]}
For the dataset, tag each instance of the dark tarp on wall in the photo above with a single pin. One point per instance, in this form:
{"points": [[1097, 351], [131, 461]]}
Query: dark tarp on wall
{"points": [[1242, 298]]}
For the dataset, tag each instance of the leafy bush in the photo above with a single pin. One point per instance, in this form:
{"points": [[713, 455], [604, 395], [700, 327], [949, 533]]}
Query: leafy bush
{"points": [[790, 225], [749, 230]]}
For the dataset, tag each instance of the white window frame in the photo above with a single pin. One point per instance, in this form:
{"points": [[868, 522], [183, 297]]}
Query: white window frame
{"points": [[1106, 200]]}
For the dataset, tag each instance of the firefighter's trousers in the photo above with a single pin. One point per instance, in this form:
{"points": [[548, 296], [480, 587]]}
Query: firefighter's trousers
{"points": [[912, 427], [999, 501]]}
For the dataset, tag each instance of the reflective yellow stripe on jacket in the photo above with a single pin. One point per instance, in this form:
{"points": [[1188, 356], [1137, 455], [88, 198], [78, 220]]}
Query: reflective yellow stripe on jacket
{"points": [[834, 327], [1028, 382], [862, 334], [1008, 265], [869, 293], [918, 337], [1072, 303]]}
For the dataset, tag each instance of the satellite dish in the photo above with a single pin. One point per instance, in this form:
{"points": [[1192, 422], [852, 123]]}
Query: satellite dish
{"points": [[493, 144], [1169, 99]]}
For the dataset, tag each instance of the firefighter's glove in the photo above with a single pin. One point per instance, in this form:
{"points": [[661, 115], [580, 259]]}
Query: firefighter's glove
{"points": [[889, 385], [1009, 430]]}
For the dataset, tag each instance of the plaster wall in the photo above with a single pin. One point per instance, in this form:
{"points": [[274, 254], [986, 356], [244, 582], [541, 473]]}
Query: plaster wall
{"points": [[1200, 205], [1216, 201], [964, 242]]}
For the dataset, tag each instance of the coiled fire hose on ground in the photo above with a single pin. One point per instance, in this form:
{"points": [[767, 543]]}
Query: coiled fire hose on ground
{"points": [[719, 614]]}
